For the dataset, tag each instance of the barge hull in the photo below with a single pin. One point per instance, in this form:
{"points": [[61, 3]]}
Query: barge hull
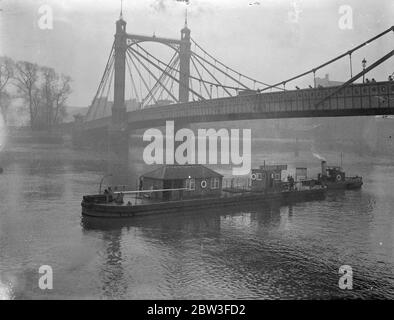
{"points": [[122, 211]]}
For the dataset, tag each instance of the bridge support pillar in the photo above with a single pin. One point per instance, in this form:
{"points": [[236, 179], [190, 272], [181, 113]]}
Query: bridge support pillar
{"points": [[118, 148], [178, 125]]}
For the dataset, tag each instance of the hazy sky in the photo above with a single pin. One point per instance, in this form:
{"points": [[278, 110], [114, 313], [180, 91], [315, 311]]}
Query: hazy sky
{"points": [[260, 38]]}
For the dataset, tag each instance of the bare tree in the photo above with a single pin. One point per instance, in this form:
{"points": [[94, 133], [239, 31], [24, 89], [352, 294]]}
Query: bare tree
{"points": [[48, 86], [26, 81], [63, 90], [44, 91], [5, 102], [55, 91], [6, 73]]}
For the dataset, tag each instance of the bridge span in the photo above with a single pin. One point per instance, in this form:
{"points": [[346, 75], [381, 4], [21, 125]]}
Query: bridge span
{"points": [[354, 100]]}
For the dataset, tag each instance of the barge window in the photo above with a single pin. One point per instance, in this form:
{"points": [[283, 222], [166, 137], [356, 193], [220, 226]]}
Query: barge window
{"points": [[191, 184], [215, 183], [259, 176]]}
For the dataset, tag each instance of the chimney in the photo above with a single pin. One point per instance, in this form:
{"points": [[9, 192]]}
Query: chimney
{"points": [[324, 168]]}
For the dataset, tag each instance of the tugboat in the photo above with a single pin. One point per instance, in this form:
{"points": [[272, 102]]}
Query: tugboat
{"points": [[179, 188], [335, 178]]}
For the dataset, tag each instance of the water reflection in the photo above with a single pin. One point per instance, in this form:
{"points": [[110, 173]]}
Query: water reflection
{"points": [[114, 284], [192, 221], [226, 242]]}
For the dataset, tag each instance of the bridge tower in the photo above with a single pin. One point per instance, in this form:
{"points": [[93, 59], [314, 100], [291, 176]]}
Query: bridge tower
{"points": [[118, 136], [119, 107], [184, 64]]}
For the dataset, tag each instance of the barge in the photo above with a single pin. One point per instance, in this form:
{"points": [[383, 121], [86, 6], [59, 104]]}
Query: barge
{"points": [[180, 188]]}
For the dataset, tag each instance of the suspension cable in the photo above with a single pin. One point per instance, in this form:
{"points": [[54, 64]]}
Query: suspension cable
{"points": [[357, 76], [166, 80], [163, 75], [132, 80], [158, 67], [108, 91], [172, 82], [100, 93], [102, 78], [246, 77], [139, 73], [140, 86], [213, 76], [150, 85], [334, 59], [132, 51], [220, 70], [198, 72], [194, 78]]}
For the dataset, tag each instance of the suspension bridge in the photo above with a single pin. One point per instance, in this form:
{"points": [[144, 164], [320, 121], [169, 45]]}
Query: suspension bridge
{"points": [[189, 85]]}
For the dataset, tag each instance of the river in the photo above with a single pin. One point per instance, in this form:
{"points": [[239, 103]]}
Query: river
{"points": [[259, 252]]}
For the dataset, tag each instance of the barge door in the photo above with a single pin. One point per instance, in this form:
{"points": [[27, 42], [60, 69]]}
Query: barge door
{"points": [[172, 184]]}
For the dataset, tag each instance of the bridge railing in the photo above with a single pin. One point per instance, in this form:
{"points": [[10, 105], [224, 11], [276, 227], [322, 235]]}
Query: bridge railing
{"points": [[358, 96]]}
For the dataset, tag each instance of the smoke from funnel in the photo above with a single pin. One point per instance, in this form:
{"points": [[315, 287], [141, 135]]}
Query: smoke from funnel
{"points": [[318, 156]]}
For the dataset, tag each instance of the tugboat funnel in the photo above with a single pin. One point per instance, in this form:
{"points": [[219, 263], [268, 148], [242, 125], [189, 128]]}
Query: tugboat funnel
{"points": [[324, 168]]}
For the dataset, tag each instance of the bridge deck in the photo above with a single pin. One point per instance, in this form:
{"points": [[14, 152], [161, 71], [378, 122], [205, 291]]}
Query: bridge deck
{"points": [[355, 100]]}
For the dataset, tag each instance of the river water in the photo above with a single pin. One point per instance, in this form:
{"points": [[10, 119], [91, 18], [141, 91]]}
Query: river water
{"points": [[257, 252]]}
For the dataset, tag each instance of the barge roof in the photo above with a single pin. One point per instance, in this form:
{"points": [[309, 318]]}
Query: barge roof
{"points": [[174, 172]]}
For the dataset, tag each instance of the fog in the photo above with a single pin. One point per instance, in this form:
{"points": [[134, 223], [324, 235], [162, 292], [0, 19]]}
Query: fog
{"points": [[267, 40]]}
